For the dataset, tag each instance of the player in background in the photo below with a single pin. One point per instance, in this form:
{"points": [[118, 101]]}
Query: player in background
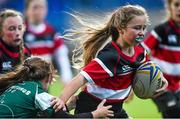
{"points": [[12, 49], [25, 96], [111, 54], [40, 37], [163, 42]]}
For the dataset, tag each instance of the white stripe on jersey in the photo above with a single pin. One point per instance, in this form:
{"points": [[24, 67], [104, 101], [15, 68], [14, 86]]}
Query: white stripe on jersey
{"points": [[156, 35], [170, 48], [146, 47], [43, 101], [145, 54], [104, 66], [167, 67], [37, 44], [47, 57], [87, 77], [37, 28], [109, 94]]}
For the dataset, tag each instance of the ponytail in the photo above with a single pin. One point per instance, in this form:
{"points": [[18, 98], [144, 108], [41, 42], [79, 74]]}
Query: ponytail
{"points": [[92, 45], [12, 78], [90, 38], [93, 36], [21, 49], [33, 68]]}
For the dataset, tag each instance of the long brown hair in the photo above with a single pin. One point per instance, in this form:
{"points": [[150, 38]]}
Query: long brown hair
{"points": [[33, 68], [92, 37], [12, 13]]}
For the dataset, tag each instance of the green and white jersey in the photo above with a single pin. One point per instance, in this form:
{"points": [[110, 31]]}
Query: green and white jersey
{"points": [[25, 100]]}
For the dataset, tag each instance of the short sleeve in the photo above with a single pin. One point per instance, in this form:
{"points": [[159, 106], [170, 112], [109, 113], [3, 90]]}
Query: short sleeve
{"points": [[100, 68], [43, 102]]}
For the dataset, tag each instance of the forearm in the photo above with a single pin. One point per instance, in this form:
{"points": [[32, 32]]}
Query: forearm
{"points": [[72, 87]]}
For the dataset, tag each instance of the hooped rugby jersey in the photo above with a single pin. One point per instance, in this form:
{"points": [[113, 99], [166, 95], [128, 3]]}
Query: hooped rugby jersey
{"points": [[43, 41], [164, 44], [111, 73], [10, 57]]}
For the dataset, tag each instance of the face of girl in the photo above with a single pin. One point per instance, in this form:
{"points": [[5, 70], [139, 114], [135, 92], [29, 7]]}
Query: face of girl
{"points": [[12, 31], [46, 82], [36, 11], [135, 29], [174, 9]]}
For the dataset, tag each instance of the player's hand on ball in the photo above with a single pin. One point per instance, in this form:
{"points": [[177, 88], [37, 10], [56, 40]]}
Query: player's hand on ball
{"points": [[162, 89], [103, 111], [58, 104]]}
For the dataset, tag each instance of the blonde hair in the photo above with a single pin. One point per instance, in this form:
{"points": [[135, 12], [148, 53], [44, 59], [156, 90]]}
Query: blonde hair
{"points": [[167, 5], [12, 13], [92, 37]]}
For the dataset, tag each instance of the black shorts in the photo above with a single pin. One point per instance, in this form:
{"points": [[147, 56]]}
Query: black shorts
{"points": [[169, 104], [87, 103]]}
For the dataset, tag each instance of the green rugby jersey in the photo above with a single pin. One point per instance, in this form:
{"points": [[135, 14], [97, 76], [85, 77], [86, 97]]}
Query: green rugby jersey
{"points": [[24, 100]]}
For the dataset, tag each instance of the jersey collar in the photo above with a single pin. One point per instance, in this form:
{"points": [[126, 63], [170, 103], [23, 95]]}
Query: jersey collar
{"points": [[174, 26]]}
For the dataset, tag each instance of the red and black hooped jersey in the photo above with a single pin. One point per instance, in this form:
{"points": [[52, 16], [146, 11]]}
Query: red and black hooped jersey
{"points": [[111, 73], [10, 57], [41, 40], [164, 44]]}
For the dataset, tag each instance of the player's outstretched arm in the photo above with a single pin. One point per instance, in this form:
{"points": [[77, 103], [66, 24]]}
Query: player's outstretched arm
{"points": [[101, 112], [69, 90]]}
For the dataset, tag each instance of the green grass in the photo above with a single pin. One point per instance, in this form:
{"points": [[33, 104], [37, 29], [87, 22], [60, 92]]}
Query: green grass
{"points": [[56, 88], [137, 108]]}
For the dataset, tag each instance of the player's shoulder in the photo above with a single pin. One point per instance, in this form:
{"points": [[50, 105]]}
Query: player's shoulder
{"points": [[160, 28], [32, 85], [49, 27], [108, 53], [140, 47], [29, 84]]}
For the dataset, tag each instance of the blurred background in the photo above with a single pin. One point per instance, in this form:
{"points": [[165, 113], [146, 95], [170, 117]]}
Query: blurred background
{"points": [[58, 17], [60, 20]]}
